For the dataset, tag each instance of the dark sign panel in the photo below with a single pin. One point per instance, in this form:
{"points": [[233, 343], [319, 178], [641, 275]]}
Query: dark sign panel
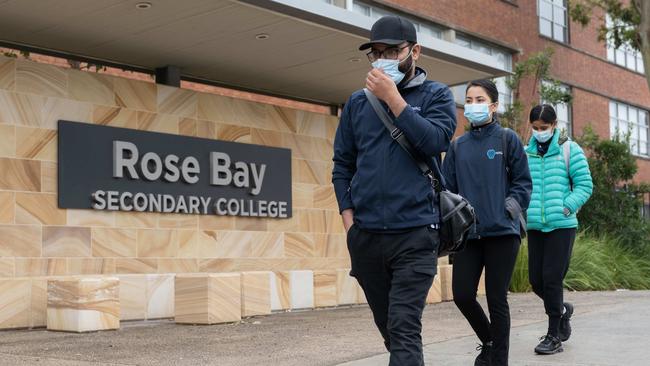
{"points": [[108, 168]]}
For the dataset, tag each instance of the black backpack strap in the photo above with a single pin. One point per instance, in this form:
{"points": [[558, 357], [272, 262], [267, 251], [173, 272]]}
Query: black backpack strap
{"points": [[504, 147], [396, 134]]}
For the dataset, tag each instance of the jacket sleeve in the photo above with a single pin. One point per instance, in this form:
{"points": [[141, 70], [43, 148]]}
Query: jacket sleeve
{"points": [[449, 169], [431, 132], [521, 183], [581, 179], [345, 159]]}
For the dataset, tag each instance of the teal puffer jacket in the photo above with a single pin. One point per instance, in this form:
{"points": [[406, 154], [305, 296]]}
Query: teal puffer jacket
{"points": [[551, 185]]}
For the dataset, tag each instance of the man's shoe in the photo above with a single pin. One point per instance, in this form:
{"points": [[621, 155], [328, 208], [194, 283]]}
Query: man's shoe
{"points": [[549, 345], [565, 322], [483, 358]]}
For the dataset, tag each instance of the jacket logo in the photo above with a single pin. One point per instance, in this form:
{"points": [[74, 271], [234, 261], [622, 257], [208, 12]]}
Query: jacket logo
{"points": [[492, 153], [417, 109]]}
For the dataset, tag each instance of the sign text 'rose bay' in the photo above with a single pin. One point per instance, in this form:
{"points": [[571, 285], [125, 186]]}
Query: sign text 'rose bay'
{"points": [[107, 168]]}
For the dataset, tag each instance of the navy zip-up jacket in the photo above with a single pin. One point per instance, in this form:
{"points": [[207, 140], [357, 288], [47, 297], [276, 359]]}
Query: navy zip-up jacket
{"points": [[373, 174], [474, 168]]}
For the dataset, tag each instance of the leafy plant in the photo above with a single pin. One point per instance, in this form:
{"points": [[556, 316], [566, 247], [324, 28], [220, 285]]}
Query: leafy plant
{"points": [[519, 281], [614, 207], [537, 67], [78, 65], [597, 263], [15, 53], [630, 26]]}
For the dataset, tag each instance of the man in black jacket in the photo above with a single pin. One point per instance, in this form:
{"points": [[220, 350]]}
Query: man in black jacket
{"points": [[388, 207]]}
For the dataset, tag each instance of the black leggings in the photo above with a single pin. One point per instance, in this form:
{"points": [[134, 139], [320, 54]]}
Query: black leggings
{"points": [[549, 255], [497, 255]]}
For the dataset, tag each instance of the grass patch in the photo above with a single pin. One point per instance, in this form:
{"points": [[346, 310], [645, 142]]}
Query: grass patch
{"points": [[596, 264]]}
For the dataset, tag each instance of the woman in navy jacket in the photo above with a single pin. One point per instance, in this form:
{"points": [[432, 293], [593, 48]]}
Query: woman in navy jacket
{"points": [[488, 166]]}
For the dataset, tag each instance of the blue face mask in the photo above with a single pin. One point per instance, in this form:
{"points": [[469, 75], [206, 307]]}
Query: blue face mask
{"points": [[477, 114], [543, 136], [391, 68]]}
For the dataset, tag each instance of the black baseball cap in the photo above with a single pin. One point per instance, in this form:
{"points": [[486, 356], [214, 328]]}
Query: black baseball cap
{"points": [[391, 30]]}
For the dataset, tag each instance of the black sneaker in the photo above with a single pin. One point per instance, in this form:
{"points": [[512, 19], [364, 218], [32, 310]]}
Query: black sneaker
{"points": [[549, 345], [483, 358], [565, 322]]}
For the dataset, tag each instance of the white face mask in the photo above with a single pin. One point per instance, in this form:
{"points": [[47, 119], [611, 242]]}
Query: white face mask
{"points": [[391, 67], [478, 114], [543, 136]]}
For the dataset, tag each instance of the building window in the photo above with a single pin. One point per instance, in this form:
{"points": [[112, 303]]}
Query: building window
{"points": [[505, 94], [431, 30], [626, 120], [553, 19], [373, 12], [362, 9], [562, 110], [625, 55], [376, 13], [339, 3], [504, 60], [474, 44]]}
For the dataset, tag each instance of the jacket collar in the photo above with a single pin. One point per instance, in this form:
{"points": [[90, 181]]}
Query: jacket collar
{"points": [[553, 148], [418, 79], [486, 130]]}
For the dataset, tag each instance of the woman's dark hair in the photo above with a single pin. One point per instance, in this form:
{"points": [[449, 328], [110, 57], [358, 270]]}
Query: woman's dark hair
{"points": [[544, 113], [489, 87]]}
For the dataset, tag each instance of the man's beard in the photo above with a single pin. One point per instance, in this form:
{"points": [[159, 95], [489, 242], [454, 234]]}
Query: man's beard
{"points": [[407, 67]]}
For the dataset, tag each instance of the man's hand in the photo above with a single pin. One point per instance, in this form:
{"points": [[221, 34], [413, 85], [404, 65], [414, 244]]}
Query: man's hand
{"points": [[348, 218], [384, 88]]}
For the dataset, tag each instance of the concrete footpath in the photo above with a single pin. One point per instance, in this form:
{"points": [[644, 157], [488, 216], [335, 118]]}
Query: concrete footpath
{"points": [[610, 328], [613, 335]]}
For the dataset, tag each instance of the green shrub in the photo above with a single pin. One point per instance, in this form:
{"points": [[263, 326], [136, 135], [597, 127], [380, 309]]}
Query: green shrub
{"points": [[614, 208], [597, 263], [592, 264], [519, 282]]}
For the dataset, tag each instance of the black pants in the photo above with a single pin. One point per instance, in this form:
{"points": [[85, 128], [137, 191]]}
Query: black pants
{"points": [[395, 272], [549, 255], [497, 255]]}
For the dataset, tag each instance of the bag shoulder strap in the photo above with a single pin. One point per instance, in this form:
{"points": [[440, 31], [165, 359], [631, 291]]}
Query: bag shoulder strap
{"points": [[504, 147], [454, 142], [566, 154], [397, 135]]}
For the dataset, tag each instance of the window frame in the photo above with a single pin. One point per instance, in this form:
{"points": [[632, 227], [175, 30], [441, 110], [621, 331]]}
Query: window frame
{"points": [[626, 50], [568, 106], [565, 27], [634, 144]]}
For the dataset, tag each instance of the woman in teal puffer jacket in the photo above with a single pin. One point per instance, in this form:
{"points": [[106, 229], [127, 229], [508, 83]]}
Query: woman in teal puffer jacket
{"points": [[561, 185]]}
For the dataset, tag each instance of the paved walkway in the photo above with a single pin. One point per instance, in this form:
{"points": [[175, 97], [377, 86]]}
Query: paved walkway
{"points": [[610, 328], [616, 335]]}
